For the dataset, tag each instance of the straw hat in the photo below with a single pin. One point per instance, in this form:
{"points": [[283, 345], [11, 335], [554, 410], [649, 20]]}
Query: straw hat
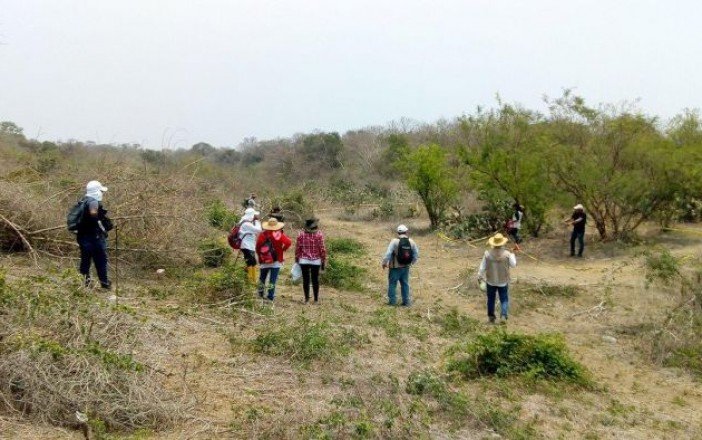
{"points": [[498, 240], [273, 225]]}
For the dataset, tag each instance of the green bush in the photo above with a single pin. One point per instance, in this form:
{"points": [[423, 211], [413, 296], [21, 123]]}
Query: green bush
{"points": [[346, 246], [214, 252], [294, 207], [504, 354], [342, 274], [220, 217], [305, 341], [227, 283], [661, 266]]}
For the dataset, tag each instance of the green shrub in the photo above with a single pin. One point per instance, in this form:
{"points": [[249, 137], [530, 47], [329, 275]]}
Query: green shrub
{"points": [[220, 217], [214, 252], [504, 354], [661, 266], [305, 341], [227, 283], [341, 274], [294, 206], [345, 246]]}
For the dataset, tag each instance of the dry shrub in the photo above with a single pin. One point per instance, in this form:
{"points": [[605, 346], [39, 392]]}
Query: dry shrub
{"points": [[63, 350]]}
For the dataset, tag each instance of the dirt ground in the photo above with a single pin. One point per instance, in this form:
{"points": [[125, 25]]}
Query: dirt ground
{"points": [[637, 399]]}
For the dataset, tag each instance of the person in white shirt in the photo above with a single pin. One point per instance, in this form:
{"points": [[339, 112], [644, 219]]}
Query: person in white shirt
{"points": [[249, 228], [494, 271]]}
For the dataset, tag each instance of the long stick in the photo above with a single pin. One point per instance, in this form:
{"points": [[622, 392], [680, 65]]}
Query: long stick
{"points": [[16, 228]]}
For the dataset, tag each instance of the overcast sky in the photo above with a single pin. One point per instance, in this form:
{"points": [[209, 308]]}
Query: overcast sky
{"points": [[176, 72]]}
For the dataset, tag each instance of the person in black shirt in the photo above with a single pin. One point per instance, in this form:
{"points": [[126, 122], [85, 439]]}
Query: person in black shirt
{"points": [[92, 234], [578, 220]]}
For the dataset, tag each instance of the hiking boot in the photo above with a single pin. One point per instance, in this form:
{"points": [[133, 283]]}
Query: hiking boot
{"points": [[107, 285], [503, 320], [491, 319]]}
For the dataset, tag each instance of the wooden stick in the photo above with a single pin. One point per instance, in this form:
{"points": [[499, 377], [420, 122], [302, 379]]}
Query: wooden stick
{"points": [[16, 228]]}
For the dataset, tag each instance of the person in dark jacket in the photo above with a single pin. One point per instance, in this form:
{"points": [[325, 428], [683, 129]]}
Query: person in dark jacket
{"points": [[92, 235], [578, 221]]}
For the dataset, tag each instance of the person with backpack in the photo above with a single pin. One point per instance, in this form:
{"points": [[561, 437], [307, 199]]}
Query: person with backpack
{"points": [[311, 255], [514, 225], [401, 254], [270, 247], [578, 220], [89, 221], [249, 228], [494, 271]]}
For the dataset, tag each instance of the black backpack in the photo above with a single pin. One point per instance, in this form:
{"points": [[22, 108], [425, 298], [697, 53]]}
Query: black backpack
{"points": [[76, 214], [404, 254]]}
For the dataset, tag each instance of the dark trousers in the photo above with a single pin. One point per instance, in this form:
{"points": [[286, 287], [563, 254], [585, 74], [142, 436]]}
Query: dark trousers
{"points": [[492, 292], [580, 236], [249, 257], [310, 272], [514, 233], [94, 250]]}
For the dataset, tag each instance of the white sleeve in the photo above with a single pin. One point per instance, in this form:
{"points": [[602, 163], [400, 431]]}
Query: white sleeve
{"points": [[512, 260], [483, 265]]}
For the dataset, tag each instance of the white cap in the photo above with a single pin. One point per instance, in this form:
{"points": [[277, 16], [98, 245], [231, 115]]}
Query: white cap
{"points": [[94, 185], [578, 206], [402, 229], [251, 212]]}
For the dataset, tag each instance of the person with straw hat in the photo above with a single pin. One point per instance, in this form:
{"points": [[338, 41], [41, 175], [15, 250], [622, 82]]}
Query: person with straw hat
{"points": [[578, 220], [494, 271], [311, 255], [270, 247]]}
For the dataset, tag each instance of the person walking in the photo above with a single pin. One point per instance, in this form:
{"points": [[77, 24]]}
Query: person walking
{"points": [[91, 234], [249, 228], [494, 271], [311, 255], [514, 225], [401, 254], [270, 247], [251, 202], [578, 219]]}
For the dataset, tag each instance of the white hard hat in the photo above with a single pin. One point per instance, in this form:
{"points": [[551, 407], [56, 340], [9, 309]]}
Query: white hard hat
{"points": [[94, 185]]}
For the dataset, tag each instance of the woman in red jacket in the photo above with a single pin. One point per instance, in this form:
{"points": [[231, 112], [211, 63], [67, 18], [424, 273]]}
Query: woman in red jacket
{"points": [[270, 246]]}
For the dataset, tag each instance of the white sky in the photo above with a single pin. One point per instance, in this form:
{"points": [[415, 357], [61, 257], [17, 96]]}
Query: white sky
{"points": [[172, 73]]}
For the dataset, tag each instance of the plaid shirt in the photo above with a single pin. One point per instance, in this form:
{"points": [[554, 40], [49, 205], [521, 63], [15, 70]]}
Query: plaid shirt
{"points": [[310, 246]]}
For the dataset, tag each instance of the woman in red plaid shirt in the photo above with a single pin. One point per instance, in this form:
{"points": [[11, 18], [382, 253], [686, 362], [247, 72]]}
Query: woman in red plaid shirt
{"points": [[311, 255]]}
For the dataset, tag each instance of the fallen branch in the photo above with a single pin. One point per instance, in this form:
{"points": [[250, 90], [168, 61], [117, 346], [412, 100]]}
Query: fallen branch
{"points": [[26, 243]]}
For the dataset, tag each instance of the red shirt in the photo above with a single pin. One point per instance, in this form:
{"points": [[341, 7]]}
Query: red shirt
{"points": [[310, 246], [280, 245]]}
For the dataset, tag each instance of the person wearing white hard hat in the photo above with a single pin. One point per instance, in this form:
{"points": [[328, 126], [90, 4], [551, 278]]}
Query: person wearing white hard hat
{"points": [[91, 234], [401, 254], [494, 272], [249, 228], [578, 220]]}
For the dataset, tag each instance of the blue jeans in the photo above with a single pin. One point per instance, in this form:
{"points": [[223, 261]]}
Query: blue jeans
{"points": [[401, 275], [580, 236], [273, 271], [492, 291], [94, 250]]}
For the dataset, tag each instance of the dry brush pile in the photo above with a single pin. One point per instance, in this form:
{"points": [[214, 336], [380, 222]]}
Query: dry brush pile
{"points": [[64, 351]]}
